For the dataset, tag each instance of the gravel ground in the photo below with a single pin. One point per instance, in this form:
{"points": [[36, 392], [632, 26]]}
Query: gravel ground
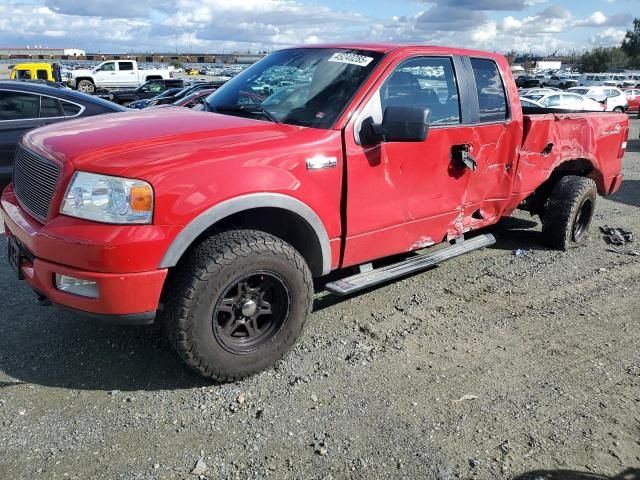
{"points": [[491, 366]]}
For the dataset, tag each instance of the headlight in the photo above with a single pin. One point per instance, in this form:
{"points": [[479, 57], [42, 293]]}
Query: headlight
{"points": [[108, 199]]}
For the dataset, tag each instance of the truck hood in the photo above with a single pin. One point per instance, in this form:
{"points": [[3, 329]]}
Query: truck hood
{"points": [[118, 142]]}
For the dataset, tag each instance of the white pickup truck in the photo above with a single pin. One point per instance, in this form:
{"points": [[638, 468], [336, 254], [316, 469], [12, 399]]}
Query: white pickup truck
{"points": [[114, 74]]}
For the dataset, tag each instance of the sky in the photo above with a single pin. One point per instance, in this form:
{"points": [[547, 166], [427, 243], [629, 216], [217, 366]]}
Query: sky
{"points": [[525, 26]]}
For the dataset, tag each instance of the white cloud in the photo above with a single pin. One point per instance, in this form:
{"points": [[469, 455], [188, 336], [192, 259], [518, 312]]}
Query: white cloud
{"points": [[610, 37], [197, 25], [485, 34]]}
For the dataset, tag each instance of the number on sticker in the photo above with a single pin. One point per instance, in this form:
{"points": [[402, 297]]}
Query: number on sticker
{"points": [[351, 58]]}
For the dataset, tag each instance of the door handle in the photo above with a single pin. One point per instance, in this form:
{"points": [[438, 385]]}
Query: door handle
{"points": [[461, 154]]}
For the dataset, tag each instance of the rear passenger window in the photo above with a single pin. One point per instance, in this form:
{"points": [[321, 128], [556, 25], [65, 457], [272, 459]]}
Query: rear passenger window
{"points": [[492, 98], [42, 75], [23, 75], [572, 100], [18, 106], [126, 66], [427, 82], [552, 101], [50, 107], [70, 109]]}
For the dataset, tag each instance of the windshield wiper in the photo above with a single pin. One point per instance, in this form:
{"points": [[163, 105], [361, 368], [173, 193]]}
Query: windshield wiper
{"points": [[250, 109]]}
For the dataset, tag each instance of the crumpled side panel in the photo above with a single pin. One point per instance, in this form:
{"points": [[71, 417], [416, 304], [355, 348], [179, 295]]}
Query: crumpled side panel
{"points": [[595, 137]]}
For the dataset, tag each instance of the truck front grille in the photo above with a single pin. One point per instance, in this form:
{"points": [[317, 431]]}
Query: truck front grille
{"points": [[34, 181]]}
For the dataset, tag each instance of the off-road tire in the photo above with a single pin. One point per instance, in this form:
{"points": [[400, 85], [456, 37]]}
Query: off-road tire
{"points": [[570, 196], [86, 86], [201, 280]]}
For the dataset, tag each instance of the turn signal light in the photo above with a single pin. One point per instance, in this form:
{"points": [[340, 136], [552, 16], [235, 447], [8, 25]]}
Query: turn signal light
{"points": [[141, 198]]}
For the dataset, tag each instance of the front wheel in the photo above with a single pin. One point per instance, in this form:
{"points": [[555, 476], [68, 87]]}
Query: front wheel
{"points": [[618, 110], [86, 86], [568, 212], [237, 304]]}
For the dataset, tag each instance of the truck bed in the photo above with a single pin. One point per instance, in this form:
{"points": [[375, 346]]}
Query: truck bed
{"points": [[590, 140]]}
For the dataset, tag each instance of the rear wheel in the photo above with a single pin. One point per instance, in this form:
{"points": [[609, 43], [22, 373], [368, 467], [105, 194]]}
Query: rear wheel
{"points": [[568, 212], [618, 110], [237, 304]]}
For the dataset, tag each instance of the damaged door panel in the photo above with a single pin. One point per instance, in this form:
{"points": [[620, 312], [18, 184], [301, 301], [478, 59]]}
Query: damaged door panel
{"points": [[413, 191]]}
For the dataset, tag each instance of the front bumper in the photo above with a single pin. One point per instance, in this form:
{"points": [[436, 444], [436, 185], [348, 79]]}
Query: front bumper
{"points": [[71, 248]]}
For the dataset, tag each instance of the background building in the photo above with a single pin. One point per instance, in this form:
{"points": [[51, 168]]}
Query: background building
{"points": [[40, 53]]}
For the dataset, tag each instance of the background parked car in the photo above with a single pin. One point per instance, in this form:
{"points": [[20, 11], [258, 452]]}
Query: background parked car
{"points": [[27, 105], [561, 82], [569, 101], [527, 81], [530, 92], [527, 103], [148, 90], [50, 72], [194, 99], [183, 93], [619, 81], [613, 98], [144, 103], [633, 99]]}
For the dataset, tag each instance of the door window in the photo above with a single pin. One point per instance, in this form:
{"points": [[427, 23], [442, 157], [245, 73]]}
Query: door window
{"points": [[572, 101], [70, 109], [107, 67], [126, 66], [18, 106], [42, 75], [426, 82], [492, 99], [155, 87], [552, 101], [23, 75], [50, 108]]}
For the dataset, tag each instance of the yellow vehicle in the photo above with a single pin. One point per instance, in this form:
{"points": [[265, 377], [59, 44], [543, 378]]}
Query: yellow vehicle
{"points": [[49, 72], [192, 71]]}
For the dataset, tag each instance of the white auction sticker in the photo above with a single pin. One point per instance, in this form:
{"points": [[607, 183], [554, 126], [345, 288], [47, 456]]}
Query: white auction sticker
{"points": [[351, 58]]}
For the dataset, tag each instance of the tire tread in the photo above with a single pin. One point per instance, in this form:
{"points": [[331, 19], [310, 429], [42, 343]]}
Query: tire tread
{"points": [[200, 266], [566, 197]]}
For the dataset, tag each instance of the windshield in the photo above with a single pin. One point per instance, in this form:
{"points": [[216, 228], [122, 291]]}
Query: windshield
{"points": [[302, 86]]}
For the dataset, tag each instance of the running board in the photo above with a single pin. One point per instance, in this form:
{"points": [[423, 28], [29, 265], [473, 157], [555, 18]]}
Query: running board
{"points": [[380, 275]]}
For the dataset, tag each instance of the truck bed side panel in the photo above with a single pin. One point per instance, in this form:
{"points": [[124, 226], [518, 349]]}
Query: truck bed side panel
{"points": [[552, 139]]}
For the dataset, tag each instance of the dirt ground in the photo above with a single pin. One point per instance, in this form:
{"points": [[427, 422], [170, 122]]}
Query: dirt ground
{"points": [[491, 366]]}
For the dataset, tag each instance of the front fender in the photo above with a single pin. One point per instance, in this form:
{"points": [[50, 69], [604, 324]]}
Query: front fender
{"points": [[243, 203]]}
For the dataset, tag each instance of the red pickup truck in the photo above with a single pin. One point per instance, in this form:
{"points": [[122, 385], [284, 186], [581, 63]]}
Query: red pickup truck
{"points": [[312, 160]]}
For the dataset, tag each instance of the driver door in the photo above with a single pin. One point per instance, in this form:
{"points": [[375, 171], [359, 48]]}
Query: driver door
{"points": [[105, 75], [402, 196]]}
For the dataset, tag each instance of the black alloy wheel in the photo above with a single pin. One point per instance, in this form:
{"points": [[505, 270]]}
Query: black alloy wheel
{"points": [[251, 311]]}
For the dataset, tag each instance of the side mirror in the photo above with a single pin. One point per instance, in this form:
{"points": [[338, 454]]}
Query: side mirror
{"points": [[399, 124]]}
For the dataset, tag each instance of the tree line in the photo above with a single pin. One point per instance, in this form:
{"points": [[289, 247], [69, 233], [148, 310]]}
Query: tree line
{"points": [[627, 55]]}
